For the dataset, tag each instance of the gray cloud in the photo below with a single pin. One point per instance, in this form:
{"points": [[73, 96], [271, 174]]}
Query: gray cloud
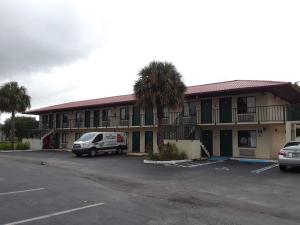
{"points": [[37, 35]]}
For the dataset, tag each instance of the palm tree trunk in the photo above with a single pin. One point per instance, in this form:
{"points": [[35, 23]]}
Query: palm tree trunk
{"points": [[160, 128], [13, 125]]}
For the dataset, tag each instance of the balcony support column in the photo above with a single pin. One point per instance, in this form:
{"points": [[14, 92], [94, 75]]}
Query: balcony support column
{"points": [[290, 131]]}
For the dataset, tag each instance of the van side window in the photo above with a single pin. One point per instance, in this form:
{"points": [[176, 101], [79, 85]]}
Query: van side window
{"points": [[98, 138]]}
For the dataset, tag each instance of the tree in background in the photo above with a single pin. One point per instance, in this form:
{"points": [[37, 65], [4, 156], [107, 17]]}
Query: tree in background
{"points": [[25, 127], [159, 85], [13, 99]]}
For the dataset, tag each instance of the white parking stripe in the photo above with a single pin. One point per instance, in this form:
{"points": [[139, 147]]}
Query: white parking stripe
{"points": [[54, 214], [22, 191], [264, 169], [209, 163], [194, 164]]}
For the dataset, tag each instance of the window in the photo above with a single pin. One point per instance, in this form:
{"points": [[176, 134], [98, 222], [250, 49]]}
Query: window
{"points": [[105, 115], [292, 143], [96, 118], [45, 121], [98, 138], [65, 120], [246, 105], [190, 109], [57, 120], [87, 119], [247, 138], [87, 136], [124, 113], [136, 116], [51, 120], [79, 117], [166, 112], [298, 132]]}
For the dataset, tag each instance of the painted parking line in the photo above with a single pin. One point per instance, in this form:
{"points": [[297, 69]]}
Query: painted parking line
{"points": [[194, 164], [54, 214], [264, 169], [21, 191]]}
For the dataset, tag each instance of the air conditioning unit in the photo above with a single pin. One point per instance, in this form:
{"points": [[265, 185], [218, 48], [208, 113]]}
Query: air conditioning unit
{"points": [[246, 117]]}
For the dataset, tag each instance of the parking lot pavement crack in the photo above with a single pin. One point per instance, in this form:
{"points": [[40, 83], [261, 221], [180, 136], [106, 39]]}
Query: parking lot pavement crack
{"points": [[210, 200], [177, 193]]}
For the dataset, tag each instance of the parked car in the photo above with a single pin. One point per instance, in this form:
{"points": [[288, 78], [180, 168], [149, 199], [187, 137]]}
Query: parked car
{"points": [[92, 143], [289, 156]]}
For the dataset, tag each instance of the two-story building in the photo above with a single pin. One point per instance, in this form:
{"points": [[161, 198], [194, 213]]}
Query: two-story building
{"points": [[239, 118]]}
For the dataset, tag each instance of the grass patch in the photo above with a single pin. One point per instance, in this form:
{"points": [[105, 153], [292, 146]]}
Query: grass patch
{"points": [[22, 146], [4, 146]]}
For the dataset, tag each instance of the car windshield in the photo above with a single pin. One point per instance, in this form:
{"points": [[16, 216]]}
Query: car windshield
{"points": [[292, 144], [87, 137]]}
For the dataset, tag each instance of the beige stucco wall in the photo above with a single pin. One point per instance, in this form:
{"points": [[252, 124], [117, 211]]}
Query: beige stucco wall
{"points": [[277, 139], [268, 144], [35, 143], [70, 139], [191, 148]]}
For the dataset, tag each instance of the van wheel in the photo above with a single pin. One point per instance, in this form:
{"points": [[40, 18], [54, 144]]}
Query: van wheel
{"points": [[92, 153], [282, 168]]}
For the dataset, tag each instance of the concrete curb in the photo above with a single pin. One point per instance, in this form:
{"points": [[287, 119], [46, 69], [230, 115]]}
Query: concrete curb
{"points": [[9, 151], [166, 162], [38, 150], [58, 150], [247, 160]]}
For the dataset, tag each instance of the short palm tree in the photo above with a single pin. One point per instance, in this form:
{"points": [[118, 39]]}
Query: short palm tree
{"points": [[13, 99], [159, 85]]}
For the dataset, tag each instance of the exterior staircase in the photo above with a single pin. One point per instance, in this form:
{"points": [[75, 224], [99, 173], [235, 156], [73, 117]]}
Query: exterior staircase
{"points": [[202, 147], [47, 133]]}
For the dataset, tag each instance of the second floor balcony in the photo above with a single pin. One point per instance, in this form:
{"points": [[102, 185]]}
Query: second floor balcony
{"points": [[250, 115]]}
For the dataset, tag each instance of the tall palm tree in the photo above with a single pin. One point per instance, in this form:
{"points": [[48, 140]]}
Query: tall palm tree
{"points": [[13, 99], [159, 85]]}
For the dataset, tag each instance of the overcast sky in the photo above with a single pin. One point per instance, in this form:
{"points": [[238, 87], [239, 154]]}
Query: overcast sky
{"points": [[65, 50]]}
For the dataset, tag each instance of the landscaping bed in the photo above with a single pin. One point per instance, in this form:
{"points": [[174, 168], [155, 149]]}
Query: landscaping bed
{"points": [[168, 154]]}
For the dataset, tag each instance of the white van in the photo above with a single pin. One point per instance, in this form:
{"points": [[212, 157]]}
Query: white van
{"points": [[93, 142]]}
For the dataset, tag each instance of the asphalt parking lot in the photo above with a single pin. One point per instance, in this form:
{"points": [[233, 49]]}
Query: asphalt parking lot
{"points": [[56, 187]]}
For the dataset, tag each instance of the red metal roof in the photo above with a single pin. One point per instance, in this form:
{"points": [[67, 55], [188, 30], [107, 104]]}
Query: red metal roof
{"points": [[192, 90], [231, 85]]}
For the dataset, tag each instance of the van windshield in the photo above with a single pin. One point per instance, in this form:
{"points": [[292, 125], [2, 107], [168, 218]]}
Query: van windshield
{"points": [[87, 137]]}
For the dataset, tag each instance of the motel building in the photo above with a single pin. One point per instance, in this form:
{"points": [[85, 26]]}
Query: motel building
{"points": [[239, 118]]}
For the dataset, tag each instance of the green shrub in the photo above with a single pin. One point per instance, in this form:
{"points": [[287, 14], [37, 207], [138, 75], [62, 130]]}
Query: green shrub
{"points": [[5, 146], [22, 146], [153, 156], [169, 152]]}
